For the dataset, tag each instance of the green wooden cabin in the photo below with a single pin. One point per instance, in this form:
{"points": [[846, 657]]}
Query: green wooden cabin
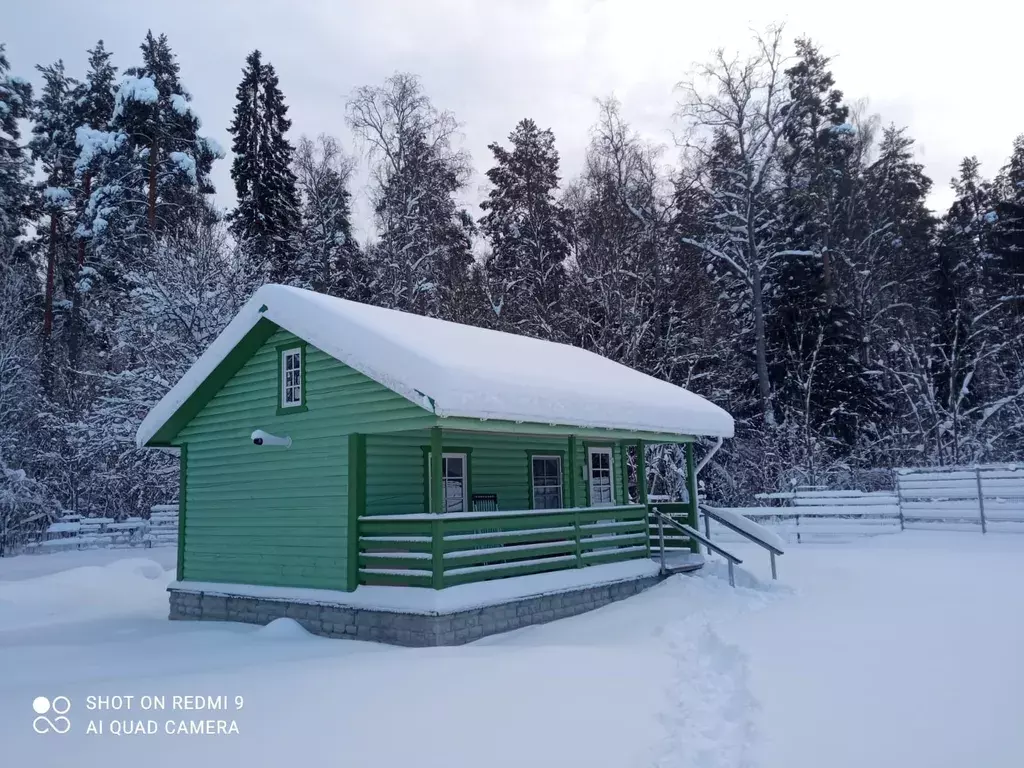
{"points": [[407, 451]]}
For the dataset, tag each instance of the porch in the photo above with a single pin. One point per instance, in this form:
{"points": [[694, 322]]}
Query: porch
{"points": [[573, 501]]}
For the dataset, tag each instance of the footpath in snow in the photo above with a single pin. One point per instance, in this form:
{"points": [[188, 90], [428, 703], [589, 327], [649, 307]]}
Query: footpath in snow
{"points": [[896, 651]]}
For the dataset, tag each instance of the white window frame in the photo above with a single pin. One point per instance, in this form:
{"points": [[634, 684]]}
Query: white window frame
{"points": [[533, 480], [444, 481], [611, 476], [285, 387]]}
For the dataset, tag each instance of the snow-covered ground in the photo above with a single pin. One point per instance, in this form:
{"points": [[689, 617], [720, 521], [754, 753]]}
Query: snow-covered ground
{"points": [[896, 651]]}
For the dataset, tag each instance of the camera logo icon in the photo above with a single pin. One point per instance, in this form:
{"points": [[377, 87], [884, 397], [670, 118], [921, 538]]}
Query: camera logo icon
{"points": [[43, 707]]}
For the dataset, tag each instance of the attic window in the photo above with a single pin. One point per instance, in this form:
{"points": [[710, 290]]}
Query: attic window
{"points": [[291, 378]]}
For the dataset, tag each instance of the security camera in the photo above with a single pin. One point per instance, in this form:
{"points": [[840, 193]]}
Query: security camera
{"points": [[259, 437]]}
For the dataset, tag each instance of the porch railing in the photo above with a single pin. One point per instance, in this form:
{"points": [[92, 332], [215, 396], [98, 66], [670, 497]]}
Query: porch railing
{"points": [[675, 539], [427, 550]]}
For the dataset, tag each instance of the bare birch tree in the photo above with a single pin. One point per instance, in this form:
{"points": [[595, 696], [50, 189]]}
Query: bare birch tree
{"points": [[742, 103]]}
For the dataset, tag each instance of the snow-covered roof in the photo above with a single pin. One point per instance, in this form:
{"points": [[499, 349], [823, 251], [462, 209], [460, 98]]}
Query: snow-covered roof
{"points": [[461, 371]]}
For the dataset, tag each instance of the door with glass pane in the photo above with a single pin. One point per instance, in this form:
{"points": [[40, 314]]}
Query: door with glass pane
{"points": [[453, 474], [599, 464]]}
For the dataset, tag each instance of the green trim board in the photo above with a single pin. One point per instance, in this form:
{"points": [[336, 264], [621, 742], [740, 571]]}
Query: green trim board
{"points": [[458, 423], [229, 366], [434, 477], [530, 453], [572, 473], [182, 496], [356, 503], [691, 487], [301, 407], [641, 472], [624, 472]]}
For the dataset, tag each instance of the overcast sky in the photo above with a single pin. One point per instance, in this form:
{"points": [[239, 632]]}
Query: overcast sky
{"points": [[493, 63]]}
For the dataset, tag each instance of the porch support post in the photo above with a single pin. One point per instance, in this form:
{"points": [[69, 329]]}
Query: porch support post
{"points": [[182, 494], [572, 469], [624, 473], [641, 472], [641, 497], [437, 507], [691, 488], [356, 503]]}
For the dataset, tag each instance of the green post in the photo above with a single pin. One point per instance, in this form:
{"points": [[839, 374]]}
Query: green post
{"points": [[437, 553], [641, 491], [437, 507], [182, 488], [570, 467], [576, 537], [356, 503], [691, 487], [624, 472], [641, 472]]}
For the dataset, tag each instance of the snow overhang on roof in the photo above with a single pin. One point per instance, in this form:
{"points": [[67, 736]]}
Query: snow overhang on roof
{"points": [[458, 370]]}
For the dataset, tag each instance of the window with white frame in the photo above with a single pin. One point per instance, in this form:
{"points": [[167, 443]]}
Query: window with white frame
{"points": [[291, 377], [454, 471], [599, 465], [547, 481]]}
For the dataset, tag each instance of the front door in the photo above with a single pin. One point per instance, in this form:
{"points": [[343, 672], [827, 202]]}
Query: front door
{"points": [[453, 472], [602, 485]]}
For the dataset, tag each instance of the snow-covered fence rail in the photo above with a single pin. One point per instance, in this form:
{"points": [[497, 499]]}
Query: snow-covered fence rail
{"points": [[983, 497], [821, 515], [81, 532]]}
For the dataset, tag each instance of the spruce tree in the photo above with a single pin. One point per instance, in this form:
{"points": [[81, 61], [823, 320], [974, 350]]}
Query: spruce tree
{"points": [[266, 221], [526, 229], [820, 379], [1007, 236], [330, 260]]}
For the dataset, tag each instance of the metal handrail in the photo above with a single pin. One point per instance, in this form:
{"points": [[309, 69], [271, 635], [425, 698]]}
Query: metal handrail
{"points": [[709, 513], [684, 528]]}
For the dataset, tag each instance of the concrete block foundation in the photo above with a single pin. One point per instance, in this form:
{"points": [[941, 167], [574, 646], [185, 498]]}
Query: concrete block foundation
{"points": [[408, 629]]}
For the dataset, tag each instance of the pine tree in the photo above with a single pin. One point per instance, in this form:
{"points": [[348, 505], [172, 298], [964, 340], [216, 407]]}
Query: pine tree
{"points": [[54, 149], [15, 103], [526, 229], [155, 165], [330, 260], [95, 104], [266, 220], [150, 180], [22, 497]]}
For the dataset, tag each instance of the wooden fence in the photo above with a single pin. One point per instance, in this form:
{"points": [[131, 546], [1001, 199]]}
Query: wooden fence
{"points": [[984, 497], [981, 498], [82, 532]]}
